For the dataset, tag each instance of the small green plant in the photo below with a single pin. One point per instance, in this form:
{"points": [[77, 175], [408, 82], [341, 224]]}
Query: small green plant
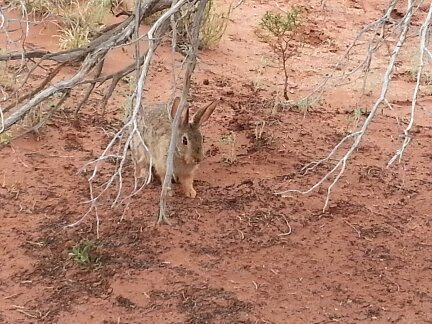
{"points": [[230, 140], [84, 252], [33, 118], [355, 116], [282, 34], [5, 138], [306, 104]]}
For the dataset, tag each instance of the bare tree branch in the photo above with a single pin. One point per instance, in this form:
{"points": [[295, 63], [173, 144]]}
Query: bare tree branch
{"points": [[339, 168], [341, 63], [122, 139], [191, 57], [424, 31], [99, 68], [92, 55]]}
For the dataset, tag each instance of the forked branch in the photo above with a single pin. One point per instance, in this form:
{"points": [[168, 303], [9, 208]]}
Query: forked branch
{"points": [[121, 141], [424, 34], [92, 57], [341, 163]]}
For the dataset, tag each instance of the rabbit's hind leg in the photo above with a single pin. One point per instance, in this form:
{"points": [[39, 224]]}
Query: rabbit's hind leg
{"points": [[139, 158]]}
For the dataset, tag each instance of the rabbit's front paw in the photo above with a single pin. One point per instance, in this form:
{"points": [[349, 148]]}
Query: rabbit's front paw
{"points": [[140, 173], [190, 192], [187, 184], [169, 192]]}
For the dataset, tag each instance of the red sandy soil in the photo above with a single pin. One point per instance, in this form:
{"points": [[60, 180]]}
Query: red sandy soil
{"points": [[227, 256]]}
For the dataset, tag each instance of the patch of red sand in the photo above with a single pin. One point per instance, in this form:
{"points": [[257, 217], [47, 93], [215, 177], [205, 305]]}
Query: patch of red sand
{"points": [[228, 256]]}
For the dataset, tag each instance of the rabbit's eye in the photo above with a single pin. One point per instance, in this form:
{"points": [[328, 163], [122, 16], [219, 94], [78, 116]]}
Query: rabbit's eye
{"points": [[185, 141]]}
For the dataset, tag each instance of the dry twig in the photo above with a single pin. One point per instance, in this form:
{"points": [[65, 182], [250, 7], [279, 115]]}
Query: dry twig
{"points": [[341, 163], [124, 136], [191, 57], [91, 60]]}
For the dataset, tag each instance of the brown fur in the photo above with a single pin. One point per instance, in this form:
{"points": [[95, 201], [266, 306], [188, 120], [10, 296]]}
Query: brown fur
{"points": [[155, 130]]}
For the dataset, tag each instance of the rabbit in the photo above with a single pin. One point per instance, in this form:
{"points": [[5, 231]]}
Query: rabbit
{"points": [[154, 126]]}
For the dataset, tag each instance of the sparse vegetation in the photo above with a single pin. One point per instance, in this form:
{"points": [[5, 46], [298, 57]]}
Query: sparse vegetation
{"points": [[248, 244], [212, 29], [84, 252], [74, 36], [230, 140], [355, 116], [34, 118], [426, 77], [303, 105], [7, 79], [37, 118], [282, 34], [306, 104], [78, 20], [36, 7], [214, 25], [127, 101], [5, 138]]}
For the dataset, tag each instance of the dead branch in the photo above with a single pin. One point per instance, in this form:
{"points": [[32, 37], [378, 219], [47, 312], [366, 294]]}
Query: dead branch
{"points": [[60, 86], [111, 32], [342, 62], [41, 123], [161, 5], [99, 68], [38, 89], [339, 168], [123, 137], [91, 55], [424, 32], [91, 59], [191, 62], [27, 55]]}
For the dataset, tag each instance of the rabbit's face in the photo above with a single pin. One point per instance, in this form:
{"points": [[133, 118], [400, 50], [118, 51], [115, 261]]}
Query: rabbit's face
{"points": [[189, 145], [190, 140]]}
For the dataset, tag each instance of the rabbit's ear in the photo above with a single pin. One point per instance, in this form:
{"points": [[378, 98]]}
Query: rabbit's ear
{"points": [[203, 114], [174, 106], [184, 118]]}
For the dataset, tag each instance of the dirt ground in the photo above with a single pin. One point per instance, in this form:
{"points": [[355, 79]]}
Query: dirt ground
{"points": [[237, 253]]}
